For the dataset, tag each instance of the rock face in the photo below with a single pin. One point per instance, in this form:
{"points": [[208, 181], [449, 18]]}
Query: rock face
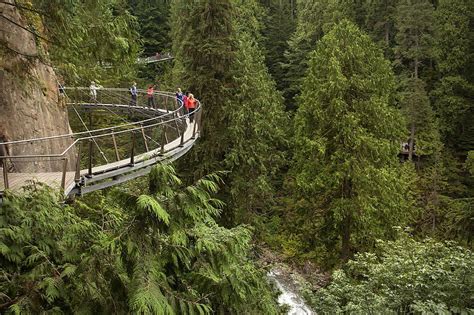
{"points": [[29, 105]]}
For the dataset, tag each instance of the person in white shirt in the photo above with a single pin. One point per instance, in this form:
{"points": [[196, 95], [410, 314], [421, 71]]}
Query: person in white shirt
{"points": [[93, 91]]}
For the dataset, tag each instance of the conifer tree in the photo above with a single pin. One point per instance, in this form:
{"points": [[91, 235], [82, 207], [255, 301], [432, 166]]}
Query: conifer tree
{"points": [[159, 252], [257, 126], [379, 22], [279, 24], [414, 21], [243, 116], [206, 51], [347, 139], [314, 19], [454, 55]]}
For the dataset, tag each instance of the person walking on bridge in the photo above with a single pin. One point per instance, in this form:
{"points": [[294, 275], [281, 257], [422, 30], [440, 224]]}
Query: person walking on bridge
{"points": [[191, 106], [185, 102], [151, 98], [93, 91], [179, 99], [133, 94]]}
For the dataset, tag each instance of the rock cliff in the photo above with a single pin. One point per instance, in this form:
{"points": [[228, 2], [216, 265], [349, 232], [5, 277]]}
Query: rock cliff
{"points": [[29, 105]]}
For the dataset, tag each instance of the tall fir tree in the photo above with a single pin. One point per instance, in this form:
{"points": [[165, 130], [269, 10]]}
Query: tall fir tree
{"points": [[314, 19], [279, 24], [243, 116], [257, 126], [414, 20], [454, 55], [206, 49], [379, 22], [347, 141]]}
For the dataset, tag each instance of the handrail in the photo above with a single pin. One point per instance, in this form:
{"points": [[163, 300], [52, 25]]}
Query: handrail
{"points": [[102, 129], [98, 175], [96, 137]]}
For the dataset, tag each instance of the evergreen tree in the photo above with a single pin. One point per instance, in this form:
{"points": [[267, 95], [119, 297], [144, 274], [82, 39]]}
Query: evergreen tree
{"points": [[279, 24], [257, 126], [379, 22], [92, 40], [206, 51], [347, 139], [454, 55], [243, 114], [154, 30], [414, 22], [159, 253], [314, 19]]}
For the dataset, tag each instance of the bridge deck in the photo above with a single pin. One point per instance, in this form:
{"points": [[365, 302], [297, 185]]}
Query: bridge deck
{"points": [[18, 180], [53, 179]]}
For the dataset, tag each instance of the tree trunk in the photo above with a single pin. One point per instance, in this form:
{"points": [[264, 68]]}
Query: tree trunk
{"points": [[412, 141], [346, 238]]}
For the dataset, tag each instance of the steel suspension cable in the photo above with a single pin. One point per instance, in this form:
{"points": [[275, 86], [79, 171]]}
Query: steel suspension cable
{"points": [[90, 134]]}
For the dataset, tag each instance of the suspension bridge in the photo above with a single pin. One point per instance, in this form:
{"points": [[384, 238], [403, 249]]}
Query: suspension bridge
{"points": [[135, 138]]}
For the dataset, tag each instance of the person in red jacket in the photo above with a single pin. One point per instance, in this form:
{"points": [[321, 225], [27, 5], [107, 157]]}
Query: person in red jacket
{"points": [[192, 103], [149, 94], [185, 102]]}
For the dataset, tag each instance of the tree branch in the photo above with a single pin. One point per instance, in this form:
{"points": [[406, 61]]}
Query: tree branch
{"points": [[24, 8]]}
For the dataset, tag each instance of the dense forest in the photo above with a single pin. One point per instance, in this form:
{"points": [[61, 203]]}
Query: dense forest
{"points": [[337, 135]]}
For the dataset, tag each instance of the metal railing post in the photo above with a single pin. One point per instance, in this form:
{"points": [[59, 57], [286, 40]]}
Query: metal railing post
{"points": [[182, 140], [132, 154], [194, 127], [63, 179], [77, 175], [91, 147], [144, 138], [5, 173], [163, 139], [117, 156], [199, 119]]}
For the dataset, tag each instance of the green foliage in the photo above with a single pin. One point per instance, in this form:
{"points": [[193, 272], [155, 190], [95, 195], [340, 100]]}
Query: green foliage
{"points": [[414, 21], [279, 23], [379, 21], [404, 277], [454, 56], [314, 19], [159, 253], [90, 40], [243, 113], [257, 126], [346, 142], [470, 162]]}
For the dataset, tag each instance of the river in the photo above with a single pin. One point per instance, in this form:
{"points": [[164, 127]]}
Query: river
{"points": [[288, 287]]}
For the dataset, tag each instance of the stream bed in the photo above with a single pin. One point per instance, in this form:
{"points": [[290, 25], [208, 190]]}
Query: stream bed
{"points": [[289, 288]]}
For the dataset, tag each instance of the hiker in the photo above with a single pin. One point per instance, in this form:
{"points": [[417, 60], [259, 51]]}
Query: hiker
{"points": [[93, 91], [149, 94], [185, 102], [192, 102], [179, 99], [133, 94]]}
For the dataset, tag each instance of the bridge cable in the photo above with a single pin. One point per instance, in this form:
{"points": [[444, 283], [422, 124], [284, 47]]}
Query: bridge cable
{"points": [[148, 137], [93, 139]]}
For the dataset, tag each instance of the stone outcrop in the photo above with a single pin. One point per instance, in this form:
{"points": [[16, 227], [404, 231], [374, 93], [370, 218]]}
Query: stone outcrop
{"points": [[29, 105]]}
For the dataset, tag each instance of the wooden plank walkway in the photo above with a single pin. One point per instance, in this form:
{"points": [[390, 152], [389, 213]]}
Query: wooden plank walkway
{"points": [[18, 180]]}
